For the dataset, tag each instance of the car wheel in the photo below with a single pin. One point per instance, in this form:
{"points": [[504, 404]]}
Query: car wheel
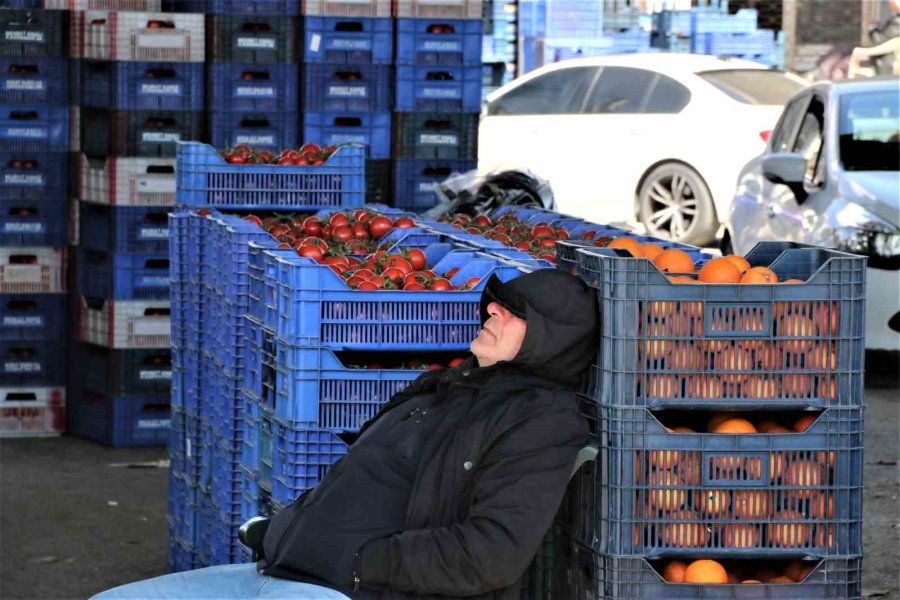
{"points": [[675, 204]]}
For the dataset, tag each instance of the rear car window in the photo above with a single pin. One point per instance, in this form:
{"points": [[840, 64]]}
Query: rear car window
{"points": [[754, 86]]}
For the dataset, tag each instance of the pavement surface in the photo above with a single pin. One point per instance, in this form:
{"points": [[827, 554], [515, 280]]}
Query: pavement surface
{"points": [[71, 524]]}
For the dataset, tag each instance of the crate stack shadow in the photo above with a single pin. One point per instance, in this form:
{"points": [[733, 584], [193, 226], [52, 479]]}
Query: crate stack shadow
{"points": [[666, 486], [34, 173]]}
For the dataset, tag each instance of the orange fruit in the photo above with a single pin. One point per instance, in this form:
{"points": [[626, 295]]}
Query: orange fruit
{"points": [[826, 461], [712, 502], [735, 425], [706, 386], [776, 466], [732, 578], [781, 579], [807, 570], [626, 243], [674, 571], [719, 270], [683, 531], [662, 386], [788, 535], [797, 386], [793, 280], [827, 388], [740, 536], [821, 357], [766, 575], [796, 326], [664, 459], [682, 429], [803, 474], [804, 422], [655, 348], [689, 469], [759, 275], [650, 251], [826, 318], [768, 357], [718, 418], [772, 427], [752, 504], [739, 261], [685, 355], [794, 570], [822, 506], [825, 536], [681, 278], [759, 386], [705, 571], [751, 581], [733, 360], [663, 496], [674, 261]]}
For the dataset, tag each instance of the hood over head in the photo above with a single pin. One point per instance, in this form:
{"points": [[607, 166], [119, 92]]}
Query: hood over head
{"points": [[561, 313]]}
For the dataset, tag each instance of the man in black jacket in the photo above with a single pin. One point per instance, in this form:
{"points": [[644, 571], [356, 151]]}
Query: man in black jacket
{"points": [[448, 491]]}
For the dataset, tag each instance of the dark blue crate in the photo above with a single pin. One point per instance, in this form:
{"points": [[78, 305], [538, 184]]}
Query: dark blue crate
{"points": [[799, 344], [32, 317], [120, 276], [369, 129], [379, 181], [452, 89], [32, 363], [124, 228], [433, 42], [238, 7], [121, 421], [182, 508], [34, 81], [34, 128], [436, 136], [253, 88], [349, 40], [587, 575], [332, 87], [257, 39], [181, 557], [34, 222], [138, 372], [206, 180], [301, 457], [153, 134], [415, 181], [38, 33], [33, 176], [125, 85], [271, 131]]}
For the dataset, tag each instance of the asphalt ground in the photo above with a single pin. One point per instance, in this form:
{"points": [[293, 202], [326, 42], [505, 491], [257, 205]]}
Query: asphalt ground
{"points": [[72, 525]]}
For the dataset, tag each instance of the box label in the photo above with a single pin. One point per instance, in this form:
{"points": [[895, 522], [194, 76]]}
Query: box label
{"points": [[348, 91], [161, 41], [439, 139], [155, 280], [20, 227], [162, 89], [441, 92], [347, 138], [441, 46], [22, 273], [22, 179], [350, 44], [160, 137], [254, 91], [156, 184], [25, 85], [256, 43], [25, 36], [153, 233], [21, 366], [29, 321], [152, 423], [152, 326], [427, 187], [255, 139], [154, 374], [31, 133]]}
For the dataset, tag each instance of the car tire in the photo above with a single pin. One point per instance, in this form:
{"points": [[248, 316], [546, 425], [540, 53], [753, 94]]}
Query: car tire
{"points": [[675, 204]]}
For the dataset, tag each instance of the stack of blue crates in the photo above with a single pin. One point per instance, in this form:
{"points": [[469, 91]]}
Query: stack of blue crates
{"points": [[438, 98], [34, 173], [253, 78]]}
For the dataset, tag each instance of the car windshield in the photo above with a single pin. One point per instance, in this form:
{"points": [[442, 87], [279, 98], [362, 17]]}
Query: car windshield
{"points": [[754, 86], [869, 131]]}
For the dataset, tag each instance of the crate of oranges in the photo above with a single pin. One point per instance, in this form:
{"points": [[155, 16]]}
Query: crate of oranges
{"points": [[781, 327]]}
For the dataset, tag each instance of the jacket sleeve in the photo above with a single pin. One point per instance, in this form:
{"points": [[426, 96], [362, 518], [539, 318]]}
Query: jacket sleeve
{"points": [[518, 487]]}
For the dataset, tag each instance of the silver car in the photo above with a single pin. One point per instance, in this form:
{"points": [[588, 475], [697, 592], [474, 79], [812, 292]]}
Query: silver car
{"points": [[830, 176]]}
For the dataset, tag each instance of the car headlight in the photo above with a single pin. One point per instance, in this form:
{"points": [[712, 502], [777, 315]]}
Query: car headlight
{"points": [[862, 232]]}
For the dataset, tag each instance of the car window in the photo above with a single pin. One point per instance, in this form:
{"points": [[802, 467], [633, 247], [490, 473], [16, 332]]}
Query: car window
{"points": [[620, 90], [753, 86], [810, 139], [667, 96], [869, 130], [785, 132], [558, 92]]}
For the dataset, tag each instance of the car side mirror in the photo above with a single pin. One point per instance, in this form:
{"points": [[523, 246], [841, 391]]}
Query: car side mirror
{"points": [[786, 168]]}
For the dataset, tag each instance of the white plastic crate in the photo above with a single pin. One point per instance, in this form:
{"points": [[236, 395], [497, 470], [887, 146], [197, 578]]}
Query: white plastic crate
{"points": [[144, 36], [445, 9], [124, 324], [347, 8], [118, 5], [32, 270], [32, 411], [127, 181]]}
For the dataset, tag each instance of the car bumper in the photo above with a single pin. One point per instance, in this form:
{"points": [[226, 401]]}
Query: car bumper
{"points": [[882, 305]]}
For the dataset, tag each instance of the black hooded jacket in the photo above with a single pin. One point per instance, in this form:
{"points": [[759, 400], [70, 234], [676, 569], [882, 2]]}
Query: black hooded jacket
{"points": [[492, 475]]}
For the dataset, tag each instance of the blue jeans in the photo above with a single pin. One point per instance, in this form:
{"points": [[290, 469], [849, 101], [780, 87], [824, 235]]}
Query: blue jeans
{"points": [[226, 582]]}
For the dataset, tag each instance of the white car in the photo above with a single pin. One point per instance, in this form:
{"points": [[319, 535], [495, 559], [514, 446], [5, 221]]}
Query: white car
{"points": [[656, 137]]}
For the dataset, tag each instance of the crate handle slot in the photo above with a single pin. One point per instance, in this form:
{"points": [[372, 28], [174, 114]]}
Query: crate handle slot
{"points": [[21, 397], [157, 312], [160, 122], [157, 407], [24, 115], [436, 171], [22, 351], [157, 263], [255, 122], [438, 124], [23, 211], [158, 360], [348, 76], [252, 27], [349, 26], [23, 165], [440, 28], [439, 76], [94, 303], [160, 73], [20, 69], [256, 75], [23, 259], [21, 305], [156, 218], [347, 122], [160, 24], [160, 169]]}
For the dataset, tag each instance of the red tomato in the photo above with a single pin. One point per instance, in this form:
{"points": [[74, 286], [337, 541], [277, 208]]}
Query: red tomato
{"points": [[366, 274], [342, 234], [313, 252], [404, 222], [416, 259], [434, 367], [379, 226], [360, 231], [413, 286], [283, 246], [368, 286], [394, 274], [336, 260], [361, 215], [377, 281], [561, 234], [456, 362], [235, 159], [355, 280], [470, 284], [449, 274], [541, 231], [314, 148], [588, 235], [483, 220], [397, 261], [441, 285], [314, 241], [546, 242], [523, 246], [428, 274], [285, 161], [337, 219], [253, 219]]}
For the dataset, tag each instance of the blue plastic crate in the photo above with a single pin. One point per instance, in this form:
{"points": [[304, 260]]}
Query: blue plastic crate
{"points": [[38, 33], [368, 129], [308, 304], [714, 21], [32, 317], [257, 39], [588, 575], [301, 457], [151, 134], [34, 222], [673, 22], [120, 421], [139, 372], [239, 7], [332, 87], [253, 88], [271, 131], [436, 136], [206, 180], [181, 557], [430, 42], [796, 344], [348, 40], [125, 85], [32, 363], [139, 229], [182, 508], [415, 181], [653, 492], [761, 42], [121, 276], [452, 89], [33, 176], [34, 81], [34, 128]]}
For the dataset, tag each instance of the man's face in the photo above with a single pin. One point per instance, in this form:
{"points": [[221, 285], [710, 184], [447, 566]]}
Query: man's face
{"points": [[500, 338]]}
